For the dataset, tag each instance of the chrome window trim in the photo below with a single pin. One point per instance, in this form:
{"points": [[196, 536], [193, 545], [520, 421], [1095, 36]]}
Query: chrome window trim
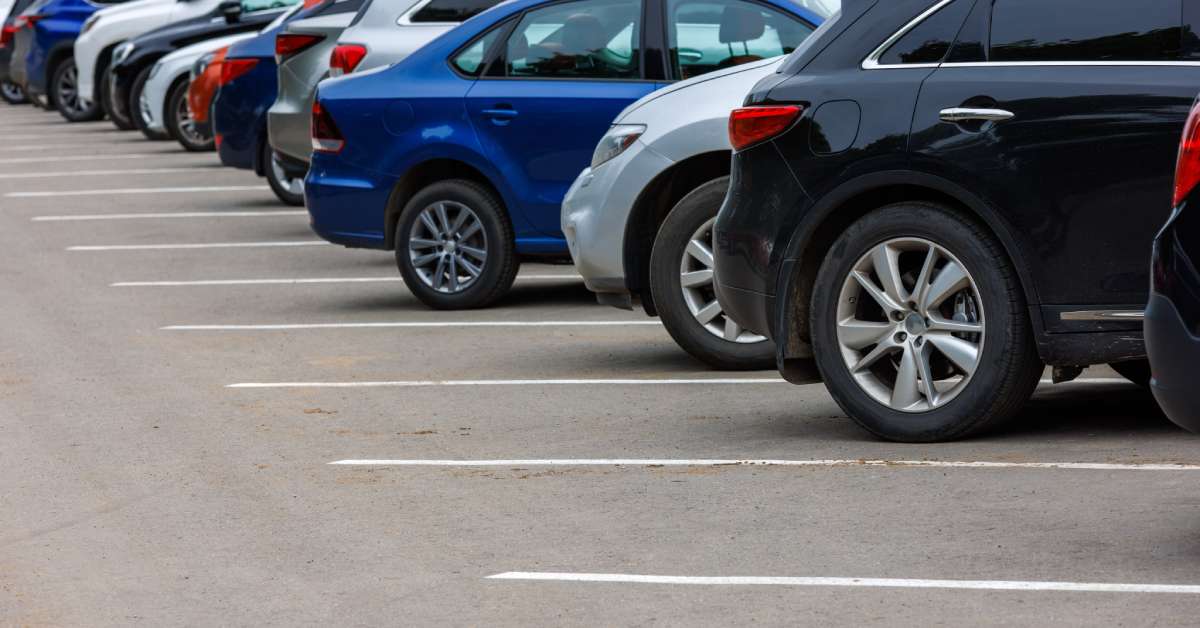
{"points": [[872, 60]]}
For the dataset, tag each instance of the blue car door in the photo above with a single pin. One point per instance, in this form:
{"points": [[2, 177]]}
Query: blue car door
{"points": [[563, 75]]}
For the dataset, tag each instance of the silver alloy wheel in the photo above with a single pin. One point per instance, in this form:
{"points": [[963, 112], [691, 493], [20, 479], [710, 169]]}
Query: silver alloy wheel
{"points": [[12, 91], [294, 185], [448, 247], [68, 90], [186, 126], [696, 281], [910, 324]]}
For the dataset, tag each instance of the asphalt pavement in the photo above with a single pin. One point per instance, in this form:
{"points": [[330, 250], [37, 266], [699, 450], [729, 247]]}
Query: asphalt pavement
{"points": [[208, 416]]}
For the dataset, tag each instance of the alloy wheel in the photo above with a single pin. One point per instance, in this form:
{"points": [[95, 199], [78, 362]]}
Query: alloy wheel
{"points": [[696, 281], [910, 324], [68, 90], [12, 92], [293, 185], [448, 247], [186, 126]]}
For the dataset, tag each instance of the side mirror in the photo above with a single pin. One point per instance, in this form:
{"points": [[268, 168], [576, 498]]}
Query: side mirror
{"points": [[231, 9]]}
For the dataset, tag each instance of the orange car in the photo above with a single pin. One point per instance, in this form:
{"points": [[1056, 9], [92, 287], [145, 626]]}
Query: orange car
{"points": [[206, 78]]}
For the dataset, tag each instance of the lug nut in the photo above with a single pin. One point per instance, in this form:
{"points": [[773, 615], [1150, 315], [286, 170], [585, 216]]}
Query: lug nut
{"points": [[901, 337]]}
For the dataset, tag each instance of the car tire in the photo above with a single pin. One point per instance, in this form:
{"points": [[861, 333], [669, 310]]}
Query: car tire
{"points": [[691, 314], [970, 312], [135, 107], [470, 227], [12, 93], [290, 191], [179, 121], [115, 115], [1136, 371], [64, 95]]}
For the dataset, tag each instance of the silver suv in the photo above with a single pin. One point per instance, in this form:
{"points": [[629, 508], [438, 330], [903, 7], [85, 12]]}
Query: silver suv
{"points": [[382, 33]]}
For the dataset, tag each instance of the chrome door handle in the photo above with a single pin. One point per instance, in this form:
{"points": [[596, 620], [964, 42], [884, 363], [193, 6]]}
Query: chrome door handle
{"points": [[961, 114]]}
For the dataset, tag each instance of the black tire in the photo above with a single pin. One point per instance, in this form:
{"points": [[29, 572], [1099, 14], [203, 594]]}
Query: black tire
{"points": [[283, 187], [135, 107], [13, 94], [1007, 366], [1136, 371], [177, 124], [64, 95], [498, 270], [114, 113], [694, 212]]}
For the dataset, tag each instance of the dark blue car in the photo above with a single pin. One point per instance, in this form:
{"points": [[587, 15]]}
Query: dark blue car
{"points": [[459, 156], [43, 59], [248, 86]]}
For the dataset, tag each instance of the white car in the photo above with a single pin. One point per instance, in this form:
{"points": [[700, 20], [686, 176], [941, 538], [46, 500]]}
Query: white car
{"points": [[107, 28], [163, 102]]}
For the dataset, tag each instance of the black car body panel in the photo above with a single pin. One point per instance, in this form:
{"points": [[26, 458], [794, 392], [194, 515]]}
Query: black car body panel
{"points": [[1074, 186], [1173, 316]]}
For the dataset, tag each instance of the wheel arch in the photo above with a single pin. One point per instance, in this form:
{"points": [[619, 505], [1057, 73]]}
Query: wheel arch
{"points": [[651, 208], [424, 174], [835, 211]]}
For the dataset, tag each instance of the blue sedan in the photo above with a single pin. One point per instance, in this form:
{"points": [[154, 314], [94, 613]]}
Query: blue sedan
{"points": [[458, 157]]}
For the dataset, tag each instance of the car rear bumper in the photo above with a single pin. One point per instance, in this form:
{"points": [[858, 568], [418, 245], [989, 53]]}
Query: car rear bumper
{"points": [[1174, 353], [347, 206]]}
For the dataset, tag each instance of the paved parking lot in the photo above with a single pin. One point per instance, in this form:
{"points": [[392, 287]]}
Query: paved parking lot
{"points": [[182, 361]]}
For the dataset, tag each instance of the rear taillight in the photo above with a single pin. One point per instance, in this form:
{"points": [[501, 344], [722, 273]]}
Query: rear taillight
{"points": [[233, 68], [345, 57], [750, 125], [1187, 168], [308, 4], [27, 20], [288, 44], [6, 34], [326, 138]]}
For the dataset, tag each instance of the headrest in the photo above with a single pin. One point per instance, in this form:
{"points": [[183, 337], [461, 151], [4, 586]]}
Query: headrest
{"points": [[582, 33], [740, 24]]}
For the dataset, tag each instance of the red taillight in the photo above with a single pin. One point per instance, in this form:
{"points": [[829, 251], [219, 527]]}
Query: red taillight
{"points": [[308, 4], [326, 138], [345, 57], [1187, 167], [6, 34], [751, 125], [233, 68], [288, 44], [27, 20]]}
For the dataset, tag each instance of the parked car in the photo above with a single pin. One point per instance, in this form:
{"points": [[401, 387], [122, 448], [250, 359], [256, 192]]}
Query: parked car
{"points": [[639, 220], [163, 105], [45, 48], [458, 157], [381, 33], [11, 92], [112, 26], [1172, 324], [203, 81], [138, 55], [247, 87], [931, 200]]}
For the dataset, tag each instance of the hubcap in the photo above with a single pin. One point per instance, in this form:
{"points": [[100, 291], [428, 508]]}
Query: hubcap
{"points": [[910, 325], [448, 247], [696, 280], [294, 185]]}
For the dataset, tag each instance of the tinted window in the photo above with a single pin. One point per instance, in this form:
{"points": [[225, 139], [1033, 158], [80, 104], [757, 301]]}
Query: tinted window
{"points": [[332, 7], [451, 10], [250, 6], [707, 35], [470, 60], [588, 39], [1086, 30], [930, 40]]}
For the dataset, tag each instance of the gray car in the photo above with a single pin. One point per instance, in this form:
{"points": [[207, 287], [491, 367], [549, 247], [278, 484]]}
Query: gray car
{"points": [[639, 224], [383, 32]]}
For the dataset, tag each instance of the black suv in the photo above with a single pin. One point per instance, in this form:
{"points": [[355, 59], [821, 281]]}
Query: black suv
{"points": [[932, 200]]}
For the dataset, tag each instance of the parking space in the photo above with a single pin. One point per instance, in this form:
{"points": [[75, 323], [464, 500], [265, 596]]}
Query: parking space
{"points": [[183, 360]]}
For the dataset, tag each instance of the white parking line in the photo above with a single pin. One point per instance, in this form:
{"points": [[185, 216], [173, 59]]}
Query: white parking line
{"points": [[305, 280], [229, 214], [716, 462], [209, 245], [43, 159], [99, 173], [874, 583], [118, 191], [510, 382], [417, 325]]}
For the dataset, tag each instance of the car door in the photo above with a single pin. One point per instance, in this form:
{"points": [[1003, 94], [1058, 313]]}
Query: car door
{"points": [[1065, 115], [563, 74]]}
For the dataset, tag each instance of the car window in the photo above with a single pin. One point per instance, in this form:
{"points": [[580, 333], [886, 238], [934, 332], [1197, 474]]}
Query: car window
{"points": [[707, 35], [470, 60], [1086, 30], [930, 40], [452, 11], [596, 39], [250, 6]]}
